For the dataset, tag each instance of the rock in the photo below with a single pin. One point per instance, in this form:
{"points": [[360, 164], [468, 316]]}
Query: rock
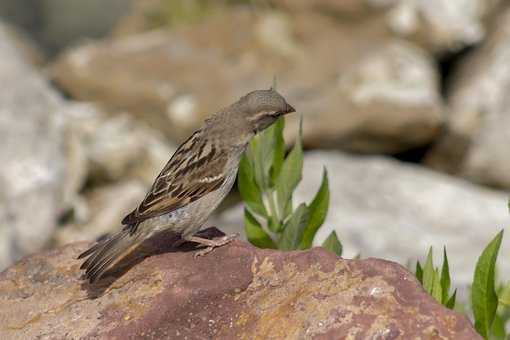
{"points": [[380, 207], [391, 97], [174, 79], [442, 25], [24, 44], [475, 144], [56, 23], [31, 130], [105, 207], [235, 292], [351, 8], [116, 148]]}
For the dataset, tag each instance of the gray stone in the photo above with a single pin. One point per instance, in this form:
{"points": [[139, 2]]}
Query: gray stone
{"points": [[31, 154], [320, 64], [387, 101], [56, 23], [115, 147], [105, 207], [478, 135], [380, 207], [443, 25]]}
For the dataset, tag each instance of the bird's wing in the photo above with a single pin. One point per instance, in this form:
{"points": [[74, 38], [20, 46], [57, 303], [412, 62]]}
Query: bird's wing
{"points": [[196, 169]]}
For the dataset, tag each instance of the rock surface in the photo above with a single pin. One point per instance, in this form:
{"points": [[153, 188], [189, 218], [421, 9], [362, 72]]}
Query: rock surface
{"points": [[116, 147], [99, 211], [31, 155], [440, 25], [174, 79], [236, 292], [476, 143], [384, 208], [56, 23]]}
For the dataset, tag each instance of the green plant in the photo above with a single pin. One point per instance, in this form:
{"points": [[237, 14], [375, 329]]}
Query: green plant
{"points": [[437, 283], [267, 180], [490, 303], [484, 298]]}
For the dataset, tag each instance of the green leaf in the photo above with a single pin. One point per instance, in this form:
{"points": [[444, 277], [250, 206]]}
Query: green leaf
{"points": [[419, 272], [289, 177], [451, 301], [484, 300], [332, 243], [318, 211], [261, 152], [498, 331], [248, 188], [504, 295], [294, 228], [254, 232], [445, 278], [437, 291], [429, 273], [279, 149]]}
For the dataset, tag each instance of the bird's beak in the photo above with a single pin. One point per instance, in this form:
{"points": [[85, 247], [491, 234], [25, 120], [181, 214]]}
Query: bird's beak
{"points": [[289, 109]]}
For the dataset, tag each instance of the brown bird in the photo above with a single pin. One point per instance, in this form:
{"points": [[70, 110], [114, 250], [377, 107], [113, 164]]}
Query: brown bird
{"points": [[193, 183]]}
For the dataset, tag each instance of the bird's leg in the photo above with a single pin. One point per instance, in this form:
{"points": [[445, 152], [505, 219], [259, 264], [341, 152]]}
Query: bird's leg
{"points": [[211, 244]]}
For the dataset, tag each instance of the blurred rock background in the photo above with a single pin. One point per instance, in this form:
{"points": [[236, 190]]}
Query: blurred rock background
{"points": [[406, 102]]}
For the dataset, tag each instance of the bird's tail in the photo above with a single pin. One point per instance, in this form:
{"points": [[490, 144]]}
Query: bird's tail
{"points": [[108, 252]]}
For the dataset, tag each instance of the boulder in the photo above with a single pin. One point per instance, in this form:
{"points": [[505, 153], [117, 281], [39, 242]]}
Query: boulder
{"points": [[388, 101], [56, 23], [31, 155], [99, 211], [384, 208], [174, 79], [115, 147], [475, 143], [235, 292], [439, 25]]}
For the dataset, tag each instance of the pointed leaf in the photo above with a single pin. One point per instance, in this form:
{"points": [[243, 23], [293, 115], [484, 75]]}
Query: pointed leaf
{"points": [[261, 154], [428, 273], [498, 330], [254, 232], [419, 272], [332, 243], [445, 278], [437, 292], [451, 301], [279, 149], [289, 177], [483, 294], [318, 211], [249, 189], [294, 228], [504, 295]]}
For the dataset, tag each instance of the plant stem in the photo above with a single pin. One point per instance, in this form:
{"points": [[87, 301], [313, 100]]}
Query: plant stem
{"points": [[272, 205]]}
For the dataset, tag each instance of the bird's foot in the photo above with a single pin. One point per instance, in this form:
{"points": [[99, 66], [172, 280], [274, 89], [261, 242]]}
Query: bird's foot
{"points": [[211, 244]]}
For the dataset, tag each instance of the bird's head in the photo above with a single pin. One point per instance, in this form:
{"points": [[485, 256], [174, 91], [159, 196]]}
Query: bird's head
{"points": [[262, 108]]}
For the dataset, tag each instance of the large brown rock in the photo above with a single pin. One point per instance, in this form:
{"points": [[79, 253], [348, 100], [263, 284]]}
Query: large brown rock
{"points": [[236, 292], [174, 79]]}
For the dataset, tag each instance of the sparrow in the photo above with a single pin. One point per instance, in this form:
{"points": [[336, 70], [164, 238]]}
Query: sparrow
{"points": [[192, 184]]}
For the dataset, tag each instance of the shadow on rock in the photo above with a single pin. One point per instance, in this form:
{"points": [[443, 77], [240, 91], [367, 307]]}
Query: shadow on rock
{"points": [[159, 244]]}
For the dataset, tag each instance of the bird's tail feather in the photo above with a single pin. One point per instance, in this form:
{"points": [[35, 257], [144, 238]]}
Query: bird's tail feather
{"points": [[106, 253]]}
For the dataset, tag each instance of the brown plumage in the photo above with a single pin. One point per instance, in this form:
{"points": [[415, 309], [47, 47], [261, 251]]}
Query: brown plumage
{"points": [[193, 182]]}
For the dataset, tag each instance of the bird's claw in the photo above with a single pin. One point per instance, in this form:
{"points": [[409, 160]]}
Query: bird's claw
{"points": [[218, 242]]}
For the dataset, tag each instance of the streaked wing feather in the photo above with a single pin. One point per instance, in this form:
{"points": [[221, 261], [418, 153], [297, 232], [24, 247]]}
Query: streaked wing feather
{"points": [[183, 180]]}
